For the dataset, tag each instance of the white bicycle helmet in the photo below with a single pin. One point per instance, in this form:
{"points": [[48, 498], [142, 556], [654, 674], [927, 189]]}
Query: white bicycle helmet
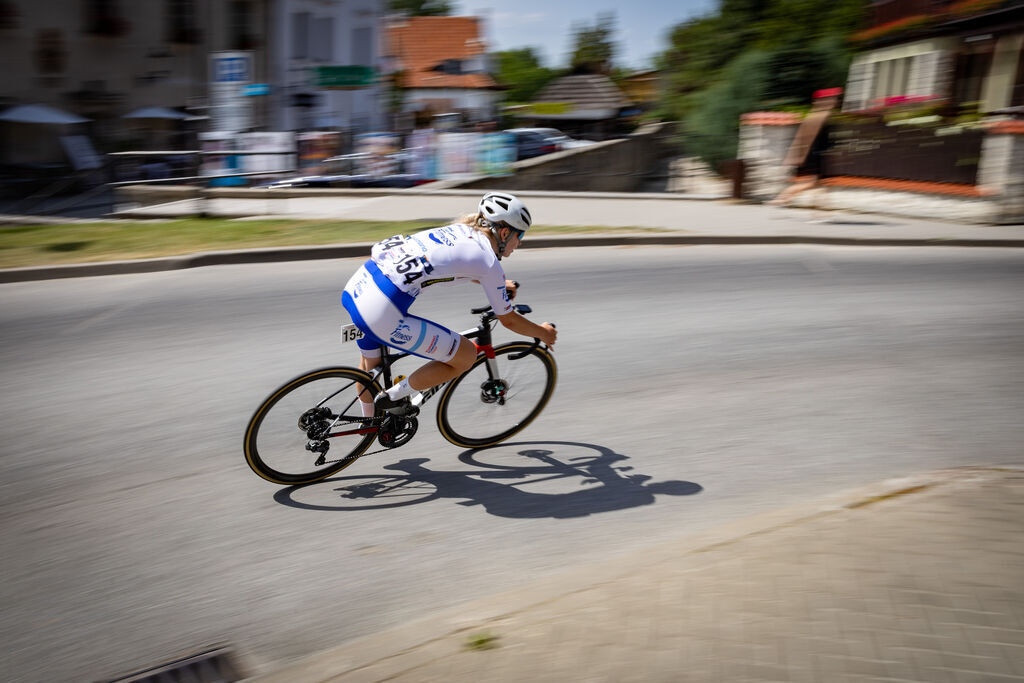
{"points": [[499, 207]]}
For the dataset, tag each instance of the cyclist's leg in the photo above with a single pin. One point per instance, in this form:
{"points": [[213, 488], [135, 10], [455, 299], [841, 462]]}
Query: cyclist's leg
{"points": [[370, 352], [360, 285], [437, 372], [385, 322]]}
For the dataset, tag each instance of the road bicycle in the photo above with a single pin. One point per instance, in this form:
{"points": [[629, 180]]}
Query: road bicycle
{"points": [[311, 427]]}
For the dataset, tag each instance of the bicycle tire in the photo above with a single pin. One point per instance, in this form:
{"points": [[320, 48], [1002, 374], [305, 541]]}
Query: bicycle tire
{"points": [[467, 419], [276, 435]]}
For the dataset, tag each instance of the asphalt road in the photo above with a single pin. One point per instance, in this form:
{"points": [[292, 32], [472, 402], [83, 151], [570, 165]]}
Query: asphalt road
{"points": [[697, 385]]}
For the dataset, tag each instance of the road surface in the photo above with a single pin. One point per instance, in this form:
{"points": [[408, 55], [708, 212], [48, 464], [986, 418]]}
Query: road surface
{"points": [[697, 385]]}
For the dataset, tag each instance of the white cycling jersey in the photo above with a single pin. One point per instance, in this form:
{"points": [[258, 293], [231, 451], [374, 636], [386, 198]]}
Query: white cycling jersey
{"points": [[379, 294], [439, 255]]}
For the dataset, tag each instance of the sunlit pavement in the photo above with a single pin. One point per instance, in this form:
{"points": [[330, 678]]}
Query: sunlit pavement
{"points": [[913, 580]]}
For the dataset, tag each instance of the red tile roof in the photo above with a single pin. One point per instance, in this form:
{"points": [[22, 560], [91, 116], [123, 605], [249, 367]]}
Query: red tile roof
{"points": [[421, 43]]}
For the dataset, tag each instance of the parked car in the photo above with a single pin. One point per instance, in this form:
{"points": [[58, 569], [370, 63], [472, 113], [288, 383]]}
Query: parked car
{"points": [[354, 170], [532, 142]]}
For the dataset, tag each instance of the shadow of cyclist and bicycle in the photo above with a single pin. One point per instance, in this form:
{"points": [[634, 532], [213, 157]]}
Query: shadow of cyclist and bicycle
{"points": [[528, 480]]}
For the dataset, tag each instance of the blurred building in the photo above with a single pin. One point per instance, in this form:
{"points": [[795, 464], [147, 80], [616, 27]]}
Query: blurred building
{"points": [[284, 64], [931, 125], [325, 60], [440, 67], [582, 105], [642, 88], [965, 53]]}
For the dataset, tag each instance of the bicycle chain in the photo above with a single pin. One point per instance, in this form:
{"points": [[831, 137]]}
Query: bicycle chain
{"points": [[374, 421]]}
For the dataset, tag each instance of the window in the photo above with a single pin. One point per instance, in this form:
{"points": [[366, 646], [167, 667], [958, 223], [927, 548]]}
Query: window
{"points": [[1018, 85], [103, 18], [972, 67], [300, 35], [240, 36], [924, 70], [362, 46], [181, 22], [858, 86], [322, 40]]}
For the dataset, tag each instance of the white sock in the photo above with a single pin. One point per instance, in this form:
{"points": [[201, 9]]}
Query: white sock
{"points": [[400, 390], [367, 409]]}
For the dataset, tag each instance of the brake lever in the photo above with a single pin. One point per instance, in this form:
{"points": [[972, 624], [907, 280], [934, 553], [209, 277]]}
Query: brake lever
{"points": [[536, 343]]}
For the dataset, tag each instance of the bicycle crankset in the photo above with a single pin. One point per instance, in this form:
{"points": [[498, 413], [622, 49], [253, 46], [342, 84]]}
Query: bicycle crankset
{"points": [[396, 430]]}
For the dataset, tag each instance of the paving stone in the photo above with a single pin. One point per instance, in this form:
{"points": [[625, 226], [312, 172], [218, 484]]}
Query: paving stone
{"points": [[920, 587]]}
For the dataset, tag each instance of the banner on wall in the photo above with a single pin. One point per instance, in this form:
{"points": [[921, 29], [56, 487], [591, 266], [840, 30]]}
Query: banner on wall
{"points": [[230, 109], [276, 141], [496, 152], [378, 153], [316, 146]]}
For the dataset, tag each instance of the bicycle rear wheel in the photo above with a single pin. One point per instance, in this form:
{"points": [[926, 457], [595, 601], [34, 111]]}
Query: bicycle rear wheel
{"points": [[319, 408], [477, 410]]}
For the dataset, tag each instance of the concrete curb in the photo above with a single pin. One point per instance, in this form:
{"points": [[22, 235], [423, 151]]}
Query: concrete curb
{"points": [[392, 644], [361, 249]]}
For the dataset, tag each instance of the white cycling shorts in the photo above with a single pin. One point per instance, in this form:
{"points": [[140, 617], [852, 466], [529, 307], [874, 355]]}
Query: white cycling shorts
{"points": [[380, 310]]}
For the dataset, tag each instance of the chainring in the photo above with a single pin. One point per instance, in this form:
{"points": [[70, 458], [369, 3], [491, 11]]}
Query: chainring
{"points": [[397, 430]]}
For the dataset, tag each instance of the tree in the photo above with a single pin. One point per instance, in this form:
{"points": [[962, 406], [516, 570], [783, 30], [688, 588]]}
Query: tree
{"points": [[421, 8], [522, 73], [594, 51], [752, 54], [714, 113]]}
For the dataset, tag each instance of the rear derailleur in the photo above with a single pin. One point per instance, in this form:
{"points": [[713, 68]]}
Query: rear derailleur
{"points": [[315, 422]]}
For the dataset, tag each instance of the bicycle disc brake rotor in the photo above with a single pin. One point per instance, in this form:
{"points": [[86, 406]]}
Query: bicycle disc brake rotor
{"points": [[493, 391], [396, 431]]}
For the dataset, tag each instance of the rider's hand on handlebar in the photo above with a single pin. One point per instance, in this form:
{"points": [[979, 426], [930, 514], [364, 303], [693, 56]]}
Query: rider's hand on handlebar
{"points": [[510, 288], [551, 336]]}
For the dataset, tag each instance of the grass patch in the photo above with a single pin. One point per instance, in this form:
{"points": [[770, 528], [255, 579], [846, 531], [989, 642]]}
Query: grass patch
{"points": [[38, 245], [481, 641]]}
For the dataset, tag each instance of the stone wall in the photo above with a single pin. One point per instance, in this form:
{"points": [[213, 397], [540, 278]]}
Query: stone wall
{"points": [[765, 138], [997, 198], [1001, 170], [620, 165]]}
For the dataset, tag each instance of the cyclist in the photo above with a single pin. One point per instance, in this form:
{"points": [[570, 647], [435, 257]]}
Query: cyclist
{"points": [[380, 293]]}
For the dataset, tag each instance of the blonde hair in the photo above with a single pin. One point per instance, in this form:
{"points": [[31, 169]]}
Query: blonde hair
{"points": [[473, 220]]}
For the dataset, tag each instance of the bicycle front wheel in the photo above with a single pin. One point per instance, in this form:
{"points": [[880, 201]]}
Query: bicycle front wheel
{"points": [[319, 409], [478, 409]]}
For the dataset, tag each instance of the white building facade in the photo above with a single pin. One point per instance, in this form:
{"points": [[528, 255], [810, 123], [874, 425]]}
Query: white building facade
{"points": [[324, 65]]}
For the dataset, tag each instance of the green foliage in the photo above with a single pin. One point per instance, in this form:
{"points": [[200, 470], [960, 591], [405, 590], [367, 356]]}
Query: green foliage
{"points": [[712, 124], [481, 641], [421, 8], [522, 73], [594, 51], [753, 54]]}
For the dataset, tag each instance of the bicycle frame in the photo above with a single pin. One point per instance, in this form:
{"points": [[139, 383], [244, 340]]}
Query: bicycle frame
{"points": [[481, 332], [484, 344]]}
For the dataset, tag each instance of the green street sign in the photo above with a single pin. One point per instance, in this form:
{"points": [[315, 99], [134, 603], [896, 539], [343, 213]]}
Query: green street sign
{"points": [[343, 77]]}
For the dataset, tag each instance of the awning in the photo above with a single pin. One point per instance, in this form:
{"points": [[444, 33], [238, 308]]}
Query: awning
{"points": [[39, 113], [155, 113]]}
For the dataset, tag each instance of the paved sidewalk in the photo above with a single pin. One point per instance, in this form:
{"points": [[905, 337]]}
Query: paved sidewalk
{"points": [[917, 579]]}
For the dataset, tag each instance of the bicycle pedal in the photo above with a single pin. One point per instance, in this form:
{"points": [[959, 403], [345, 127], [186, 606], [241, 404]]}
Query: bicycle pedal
{"points": [[404, 410]]}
